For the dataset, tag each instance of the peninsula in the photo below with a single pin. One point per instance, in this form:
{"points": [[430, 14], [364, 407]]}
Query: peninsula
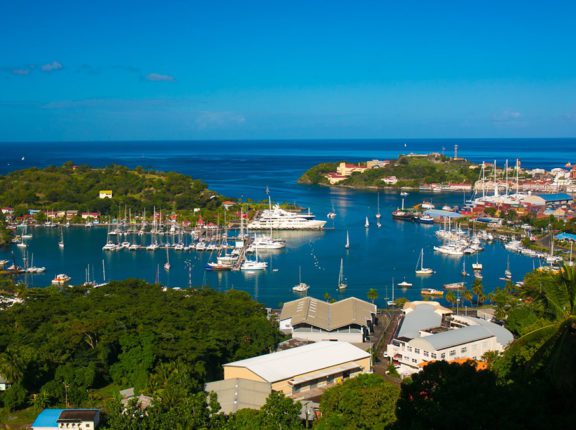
{"points": [[408, 171]]}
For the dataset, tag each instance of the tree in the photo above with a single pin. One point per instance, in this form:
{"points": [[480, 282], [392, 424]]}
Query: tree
{"points": [[441, 387], [451, 298], [467, 296], [372, 294], [364, 402], [478, 290], [279, 412]]}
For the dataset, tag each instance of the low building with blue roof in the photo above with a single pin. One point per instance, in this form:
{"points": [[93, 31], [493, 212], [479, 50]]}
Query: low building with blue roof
{"points": [[566, 236], [555, 199], [71, 419]]}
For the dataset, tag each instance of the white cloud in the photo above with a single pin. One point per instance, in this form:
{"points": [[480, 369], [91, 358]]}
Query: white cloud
{"points": [[507, 115], [51, 67], [21, 71], [159, 77], [207, 119]]}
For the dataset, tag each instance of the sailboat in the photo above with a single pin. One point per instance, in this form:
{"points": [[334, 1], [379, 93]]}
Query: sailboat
{"points": [[404, 284], [477, 267], [464, 272], [367, 223], [61, 243], [392, 302], [378, 212], [332, 213], [507, 272], [422, 270], [167, 264], [300, 287], [347, 245], [341, 280]]}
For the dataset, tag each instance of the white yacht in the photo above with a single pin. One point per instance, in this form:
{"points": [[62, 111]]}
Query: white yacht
{"points": [[276, 218], [450, 249], [267, 242]]}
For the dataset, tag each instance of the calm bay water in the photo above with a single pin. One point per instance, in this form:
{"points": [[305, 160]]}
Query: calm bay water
{"points": [[244, 169]]}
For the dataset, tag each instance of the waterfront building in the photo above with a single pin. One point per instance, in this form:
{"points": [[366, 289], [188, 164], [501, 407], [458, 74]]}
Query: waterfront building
{"points": [[346, 169], [69, 419], [428, 331], [349, 320], [298, 371], [390, 180], [335, 178], [105, 194]]}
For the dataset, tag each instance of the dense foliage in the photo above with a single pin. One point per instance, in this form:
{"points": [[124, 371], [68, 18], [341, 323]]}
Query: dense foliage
{"points": [[410, 171], [61, 343], [365, 402], [72, 187], [5, 235], [315, 175]]}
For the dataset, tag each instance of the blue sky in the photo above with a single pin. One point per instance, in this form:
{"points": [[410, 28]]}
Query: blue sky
{"points": [[107, 70]]}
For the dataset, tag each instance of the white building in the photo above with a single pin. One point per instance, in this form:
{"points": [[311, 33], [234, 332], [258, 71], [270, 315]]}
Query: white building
{"points": [[429, 332], [297, 371], [349, 320]]}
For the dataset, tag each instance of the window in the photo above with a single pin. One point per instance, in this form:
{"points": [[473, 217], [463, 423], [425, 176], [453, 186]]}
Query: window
{"points": [[414, 360], [443, 356], [417, 350], [409, 348], [296, 388], [463, 350], [426, 354], [433, 355], [452, 353], [330, 379]]}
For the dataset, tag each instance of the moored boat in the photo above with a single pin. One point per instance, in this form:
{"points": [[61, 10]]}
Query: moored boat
{"points": [[431, 292]]}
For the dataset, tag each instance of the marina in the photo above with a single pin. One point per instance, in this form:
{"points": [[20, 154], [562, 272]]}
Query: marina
{"points": [[371, 256]]}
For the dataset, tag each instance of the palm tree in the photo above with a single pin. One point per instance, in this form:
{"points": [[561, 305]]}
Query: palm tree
{"points": [[372, 294], [478, 290], [556, 356], [451, 298], [467, 296]]}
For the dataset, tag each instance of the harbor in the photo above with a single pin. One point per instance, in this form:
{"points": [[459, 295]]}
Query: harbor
{"points": [[374, 258]]}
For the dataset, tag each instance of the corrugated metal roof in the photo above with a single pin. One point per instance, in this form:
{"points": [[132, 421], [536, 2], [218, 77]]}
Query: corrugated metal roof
{"points": [[558, 197], [419, 317], [293, 362], [47, 418], [328, 316], [438, 213], [460, 336], [503, 336]]}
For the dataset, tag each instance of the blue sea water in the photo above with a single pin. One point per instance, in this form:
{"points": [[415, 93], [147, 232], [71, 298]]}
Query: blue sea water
{"points": [[245, 169]]}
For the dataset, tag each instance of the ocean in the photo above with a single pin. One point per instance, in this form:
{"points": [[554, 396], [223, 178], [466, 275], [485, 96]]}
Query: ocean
{"points": [[245, 169]]}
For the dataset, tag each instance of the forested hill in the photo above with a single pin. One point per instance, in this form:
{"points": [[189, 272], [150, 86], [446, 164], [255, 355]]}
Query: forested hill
{"points": [[410, 171], [71, 187]]}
